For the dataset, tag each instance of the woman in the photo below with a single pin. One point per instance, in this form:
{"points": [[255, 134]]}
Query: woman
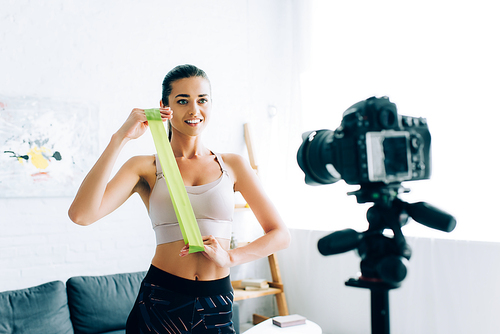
{"points": [[182, 292]]}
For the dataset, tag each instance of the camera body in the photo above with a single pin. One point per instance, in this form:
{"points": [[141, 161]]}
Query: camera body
{"points": [[373, 144]]}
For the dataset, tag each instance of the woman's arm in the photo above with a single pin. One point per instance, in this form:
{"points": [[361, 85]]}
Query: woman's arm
{"points": [[276, 235], [96, 197]]}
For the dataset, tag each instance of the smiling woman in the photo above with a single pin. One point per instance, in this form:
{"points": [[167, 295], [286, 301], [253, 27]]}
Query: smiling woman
{"points": [[192, 103], [179, 282], [177, 74]]}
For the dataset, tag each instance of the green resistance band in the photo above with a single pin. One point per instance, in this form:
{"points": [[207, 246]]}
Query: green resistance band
{"points": [[180, 200]]}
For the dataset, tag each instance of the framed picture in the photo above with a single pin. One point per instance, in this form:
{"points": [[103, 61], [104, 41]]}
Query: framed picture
{"points": [[46, 146]]}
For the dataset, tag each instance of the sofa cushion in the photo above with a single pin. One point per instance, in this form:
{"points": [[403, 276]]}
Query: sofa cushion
{"points": [[100, 304], [41, 309]]}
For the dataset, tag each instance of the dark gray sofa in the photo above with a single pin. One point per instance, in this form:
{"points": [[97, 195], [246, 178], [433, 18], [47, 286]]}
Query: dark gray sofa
{"points": [[85, 305]]}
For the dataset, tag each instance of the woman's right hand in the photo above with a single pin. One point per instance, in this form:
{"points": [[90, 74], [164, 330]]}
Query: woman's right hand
{"points": [[97, 196], [137, 123]]}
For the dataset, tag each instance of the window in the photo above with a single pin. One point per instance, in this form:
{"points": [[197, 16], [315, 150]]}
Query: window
{"points": [[434, 59]]}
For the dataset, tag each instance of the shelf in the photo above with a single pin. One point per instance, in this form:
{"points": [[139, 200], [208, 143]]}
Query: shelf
{"points": [[241, 294], [276, 286]]}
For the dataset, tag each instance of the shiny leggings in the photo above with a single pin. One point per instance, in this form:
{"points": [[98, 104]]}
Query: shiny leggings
{"points": [[171, 304]]}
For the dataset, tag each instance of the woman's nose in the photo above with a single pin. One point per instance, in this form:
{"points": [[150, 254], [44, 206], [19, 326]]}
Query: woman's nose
{"points": [[193, 110]]}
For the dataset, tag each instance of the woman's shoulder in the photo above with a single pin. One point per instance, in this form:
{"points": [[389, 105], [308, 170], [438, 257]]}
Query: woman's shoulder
{"points": [[141, 164], [232, 159], [142, 159], [238, 165]]}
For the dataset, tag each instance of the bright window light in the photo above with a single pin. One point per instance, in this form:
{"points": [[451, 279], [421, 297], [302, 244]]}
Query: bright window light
{"points": [[434, 59]]}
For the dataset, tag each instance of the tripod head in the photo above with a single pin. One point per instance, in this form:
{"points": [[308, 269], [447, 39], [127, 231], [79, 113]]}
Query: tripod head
{"points": [[383, 257]]}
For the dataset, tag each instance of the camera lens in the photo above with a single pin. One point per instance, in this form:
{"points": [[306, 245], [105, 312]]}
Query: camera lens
{"points": [[315, 158]]}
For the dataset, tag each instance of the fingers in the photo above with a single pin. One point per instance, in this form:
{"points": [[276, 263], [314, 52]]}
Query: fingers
{"points": [[138, 114], [207, 239], [184, 251], [166, 113], [137, 122], [213, 251]]}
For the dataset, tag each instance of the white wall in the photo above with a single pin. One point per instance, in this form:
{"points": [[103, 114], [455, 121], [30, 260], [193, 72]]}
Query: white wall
{"points": [[113, 55], [451, 287]]}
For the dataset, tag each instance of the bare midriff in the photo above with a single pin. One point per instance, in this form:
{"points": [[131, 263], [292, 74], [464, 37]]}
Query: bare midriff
{"points": [[194, 266]]}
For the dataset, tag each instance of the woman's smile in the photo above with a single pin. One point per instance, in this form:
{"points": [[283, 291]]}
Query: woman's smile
{"points": [[193, 122]]}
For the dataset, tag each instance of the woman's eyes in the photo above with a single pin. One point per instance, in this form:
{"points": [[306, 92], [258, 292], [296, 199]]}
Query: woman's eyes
{"points": [[183, 101]]}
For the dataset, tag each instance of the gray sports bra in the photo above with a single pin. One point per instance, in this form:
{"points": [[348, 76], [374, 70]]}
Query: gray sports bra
{"points": [[213, 206]]}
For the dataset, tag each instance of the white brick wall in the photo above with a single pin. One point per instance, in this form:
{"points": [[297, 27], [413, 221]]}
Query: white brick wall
{"points": [[114, 55], [36, 248]]}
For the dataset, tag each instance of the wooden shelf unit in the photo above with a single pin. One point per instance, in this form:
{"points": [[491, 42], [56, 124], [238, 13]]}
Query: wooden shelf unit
{"points": [[276, 287], [241, 294]]}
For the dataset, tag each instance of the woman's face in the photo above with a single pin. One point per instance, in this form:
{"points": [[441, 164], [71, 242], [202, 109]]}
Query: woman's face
{"points": [[191, 104]]}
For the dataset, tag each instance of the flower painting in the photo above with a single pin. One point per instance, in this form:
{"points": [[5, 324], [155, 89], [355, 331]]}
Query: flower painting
{"points": [[46, 146]]}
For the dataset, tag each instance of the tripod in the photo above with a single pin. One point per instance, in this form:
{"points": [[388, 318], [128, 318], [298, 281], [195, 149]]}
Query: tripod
{"points": [[379, 303], [383, 258]]}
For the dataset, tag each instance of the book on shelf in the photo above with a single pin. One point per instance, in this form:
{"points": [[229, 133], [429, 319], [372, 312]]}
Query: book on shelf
{"points": [[254, 288], [289, 320], [258, 283]]}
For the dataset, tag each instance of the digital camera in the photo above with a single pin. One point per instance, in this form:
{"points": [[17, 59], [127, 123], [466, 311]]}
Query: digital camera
{"points": [[373, 144]]}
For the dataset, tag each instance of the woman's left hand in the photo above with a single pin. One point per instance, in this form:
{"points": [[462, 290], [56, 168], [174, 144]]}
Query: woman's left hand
{"points": [[213, 251]]}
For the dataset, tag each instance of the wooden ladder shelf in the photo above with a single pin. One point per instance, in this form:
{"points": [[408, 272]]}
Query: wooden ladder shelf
{"points": [[276, 287]]}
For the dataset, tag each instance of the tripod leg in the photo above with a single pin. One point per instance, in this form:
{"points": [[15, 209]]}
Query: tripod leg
{"points": [[380, 311]]}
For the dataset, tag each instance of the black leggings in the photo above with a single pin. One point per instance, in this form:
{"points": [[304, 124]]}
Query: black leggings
{"points": [[194, 306]]}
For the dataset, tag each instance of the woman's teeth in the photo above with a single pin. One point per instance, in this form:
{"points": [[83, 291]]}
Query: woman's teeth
{"points": [[193, 121]]}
